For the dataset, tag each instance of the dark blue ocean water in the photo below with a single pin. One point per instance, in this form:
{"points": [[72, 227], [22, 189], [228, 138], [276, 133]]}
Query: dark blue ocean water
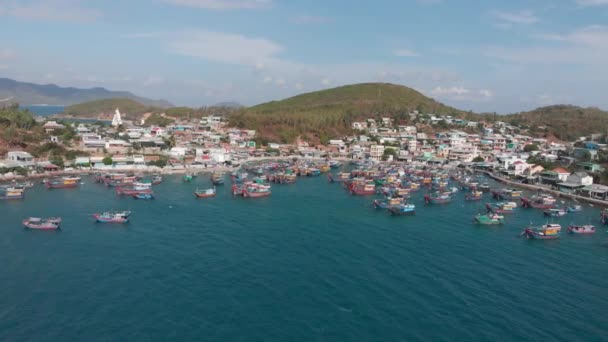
{"points": [[44, 110], [309, 263]]}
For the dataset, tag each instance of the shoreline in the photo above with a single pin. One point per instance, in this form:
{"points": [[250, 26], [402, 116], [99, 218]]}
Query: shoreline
{"points": [[154, 169]]}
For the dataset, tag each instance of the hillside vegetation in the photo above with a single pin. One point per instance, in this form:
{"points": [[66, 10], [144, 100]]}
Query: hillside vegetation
{"points": [[329, 113], [131, 109], [565, 122]]}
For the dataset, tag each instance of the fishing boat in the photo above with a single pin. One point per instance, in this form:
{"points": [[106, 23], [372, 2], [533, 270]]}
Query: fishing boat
{"points": [[502, 207], [313, 172], [507, 194], [604, 216], [334, 164], [555, 212], [63, 182], [157, 179], [205, 193], [575, 208], [217, 178], [132, 191], [438, 198], [403, 210], [489, 219], [42, 224], [340, 177], [538, 202], [474, 195], [364, 189], [586, 229], [144, 196], [548, 231], [11, 193], [112, 217], [387, 203], [485, 187], [256, 190], [188, 178]]}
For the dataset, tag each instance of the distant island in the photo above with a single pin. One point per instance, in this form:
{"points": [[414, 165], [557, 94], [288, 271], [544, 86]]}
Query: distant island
{"points": [[25, 93]]}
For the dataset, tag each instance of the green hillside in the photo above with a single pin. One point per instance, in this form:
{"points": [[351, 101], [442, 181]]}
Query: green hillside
{"points": [[130, 108], [323, 114], [564, 122]]}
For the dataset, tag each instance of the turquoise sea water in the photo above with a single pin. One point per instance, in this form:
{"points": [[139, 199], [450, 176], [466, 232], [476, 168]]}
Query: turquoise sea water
{"points": [[44, 110], [309, 263]]}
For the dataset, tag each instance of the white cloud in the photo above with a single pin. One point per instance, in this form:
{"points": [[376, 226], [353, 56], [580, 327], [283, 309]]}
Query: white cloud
{"points": [[486, 93], [521, 17], [460, 93], [50, 10], [153, 81], [311, 19], [439, 91], [585, 46], [280, 82], [7, 54], [223, 4], [406, 53], [326, 81], [592, 2], [267, 79], [220, 47], [299, 86]]}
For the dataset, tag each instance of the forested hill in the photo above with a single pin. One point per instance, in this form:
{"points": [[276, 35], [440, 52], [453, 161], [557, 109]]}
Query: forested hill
{"points": [[565, 122], [330, 113]]}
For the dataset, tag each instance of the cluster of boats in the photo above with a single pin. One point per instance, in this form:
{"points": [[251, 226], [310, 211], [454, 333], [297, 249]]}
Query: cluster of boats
{"points": [[54, 223], [130, 185]]}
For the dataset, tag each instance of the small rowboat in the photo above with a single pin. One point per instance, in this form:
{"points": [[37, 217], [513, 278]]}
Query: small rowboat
{"points": [[42, 224], [586, 229], [205, 193]]}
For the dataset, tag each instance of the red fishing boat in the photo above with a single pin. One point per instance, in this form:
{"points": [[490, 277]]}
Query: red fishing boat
{"points": [[42, 224], [255, 190], [538, 202], [205, 193]]}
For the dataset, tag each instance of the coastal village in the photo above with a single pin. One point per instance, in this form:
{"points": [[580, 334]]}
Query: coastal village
{"points": [[208, 144]]}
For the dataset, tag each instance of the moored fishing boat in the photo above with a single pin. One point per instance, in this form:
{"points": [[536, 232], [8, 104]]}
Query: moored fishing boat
{"points": [[538, 202], [63, 182], [502, 207], [403, 210], [363, 189], [586, 229], [507, 194], [334, 164], [474, 195], [157, 179], [555, 212], [256, 190], [132, 191], [11, 193], [205, 193], [485, 187], [113, 217], [548, 231], [42, 224], [438, 198], [575, 208], [217, 178], [489, 219], [387, 203], [187, 177]]}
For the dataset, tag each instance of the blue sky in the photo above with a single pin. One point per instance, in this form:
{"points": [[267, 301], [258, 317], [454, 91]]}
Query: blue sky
{"points": [[501, 56]]}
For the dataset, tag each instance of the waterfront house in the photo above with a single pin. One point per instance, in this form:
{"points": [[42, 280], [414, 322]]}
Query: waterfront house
{"points": [[596, 191]]}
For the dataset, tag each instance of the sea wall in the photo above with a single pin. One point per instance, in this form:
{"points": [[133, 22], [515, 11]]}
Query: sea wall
{"points": [[550, 191]]}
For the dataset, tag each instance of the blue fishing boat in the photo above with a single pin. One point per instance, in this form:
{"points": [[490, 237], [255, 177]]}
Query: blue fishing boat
{"points": [[403, 210], [144, 196], [387, 203]]}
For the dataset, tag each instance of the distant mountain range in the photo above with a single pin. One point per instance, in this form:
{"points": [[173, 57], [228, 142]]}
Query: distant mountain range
{"points": [[30, 93]]}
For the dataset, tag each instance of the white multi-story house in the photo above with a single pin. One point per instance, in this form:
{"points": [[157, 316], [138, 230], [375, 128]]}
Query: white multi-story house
{"points": [[376, 152]]}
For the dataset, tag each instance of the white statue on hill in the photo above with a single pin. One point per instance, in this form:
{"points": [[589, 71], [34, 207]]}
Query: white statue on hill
{"points": [[116, 120]]}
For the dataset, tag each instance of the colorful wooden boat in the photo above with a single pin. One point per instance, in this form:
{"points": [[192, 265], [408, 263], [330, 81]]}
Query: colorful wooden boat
{"points": [[538, 202], [575, 208], [387, 203], [188, 178], [132, 191], [403, 210], [586, 229], [549, 231], [217, 179], [11, 193], [555, 212], [489, 219], [63, 182], [205, 193], [42, 224], [474, 195], [363, 189], [502, 207], [485, 187], [113, 217], [256, 190], [440, 198], [507, 194], [157, 180]]}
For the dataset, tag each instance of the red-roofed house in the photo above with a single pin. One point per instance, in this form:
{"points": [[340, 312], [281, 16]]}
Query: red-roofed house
{"points": [[562, 174]]}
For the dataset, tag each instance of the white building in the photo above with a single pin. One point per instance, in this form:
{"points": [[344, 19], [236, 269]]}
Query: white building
{"points": [[376, 152], [116, 120]]}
